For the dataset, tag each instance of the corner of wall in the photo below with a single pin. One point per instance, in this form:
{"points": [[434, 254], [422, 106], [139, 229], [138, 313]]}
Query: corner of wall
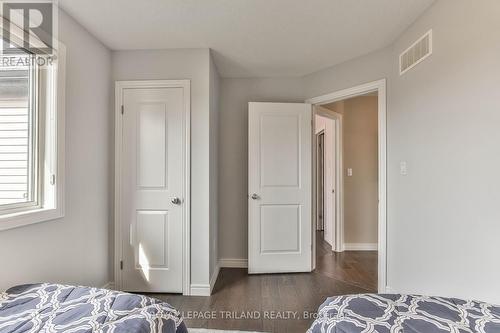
{"points": [[214, 110]]}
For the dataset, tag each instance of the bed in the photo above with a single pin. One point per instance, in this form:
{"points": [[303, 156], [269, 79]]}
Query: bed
{"points": [[406, 314], [61, 308]]}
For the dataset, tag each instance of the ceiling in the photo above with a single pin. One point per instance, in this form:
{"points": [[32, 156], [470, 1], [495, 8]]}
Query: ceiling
{"points": [[252, 38]]}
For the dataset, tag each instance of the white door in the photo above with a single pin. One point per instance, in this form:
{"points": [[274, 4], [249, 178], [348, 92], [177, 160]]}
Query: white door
{"points": [[329, 127], [279, 184], [152, 189], [329, 193]]}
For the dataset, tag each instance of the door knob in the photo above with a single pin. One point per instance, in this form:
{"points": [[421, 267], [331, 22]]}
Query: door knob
{"points": [[255, 196], [176, 201]]}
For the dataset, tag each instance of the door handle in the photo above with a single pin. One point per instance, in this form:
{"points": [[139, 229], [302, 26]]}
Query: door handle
{"points": [[255, 196], [176, 201]]}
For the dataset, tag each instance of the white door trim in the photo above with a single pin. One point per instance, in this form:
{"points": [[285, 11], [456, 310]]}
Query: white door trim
{"points": [[380, 87], [119, 88], [338, 241], [315, 173]]}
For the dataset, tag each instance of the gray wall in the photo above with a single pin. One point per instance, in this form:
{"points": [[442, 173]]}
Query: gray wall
{"points": [[73, 249], [443, 120], [443, 116], [214, 165], [360, 141], [193, 64], [444, 221]]}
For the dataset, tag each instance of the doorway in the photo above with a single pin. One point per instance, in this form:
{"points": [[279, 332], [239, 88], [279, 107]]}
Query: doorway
{"points": [[282, 193], [378, 250], [325, 157], [152, 186]]}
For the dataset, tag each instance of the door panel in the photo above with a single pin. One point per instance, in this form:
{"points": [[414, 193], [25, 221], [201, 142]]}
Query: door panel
{"points": [[151, 177], [279, 140], [279, 205], [152, 237], [152, 148], [280, 229]]}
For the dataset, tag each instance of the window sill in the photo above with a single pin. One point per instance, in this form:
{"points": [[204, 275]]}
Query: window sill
{"points": [[20, 219]]}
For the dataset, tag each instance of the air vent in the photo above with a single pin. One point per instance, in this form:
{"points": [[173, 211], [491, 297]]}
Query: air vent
{"points": [[416, 53]]}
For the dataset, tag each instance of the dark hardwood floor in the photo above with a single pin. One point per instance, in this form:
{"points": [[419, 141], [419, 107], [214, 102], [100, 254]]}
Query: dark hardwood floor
{"points": [[278, 302]]}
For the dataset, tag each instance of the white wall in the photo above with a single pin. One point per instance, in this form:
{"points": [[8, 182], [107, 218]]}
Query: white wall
{"points": [[233, 154], [192, 64], [73, 249]]}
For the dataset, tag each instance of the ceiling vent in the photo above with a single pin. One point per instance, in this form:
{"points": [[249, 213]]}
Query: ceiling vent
{"points": [[416, 53]]}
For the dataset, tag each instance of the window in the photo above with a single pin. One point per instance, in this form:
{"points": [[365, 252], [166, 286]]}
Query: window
{"points": [[19, 167], [31, 134]]}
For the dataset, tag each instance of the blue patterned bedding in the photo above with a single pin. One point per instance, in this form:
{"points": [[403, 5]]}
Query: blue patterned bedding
{"points": [[406, 314], [59, 308]]}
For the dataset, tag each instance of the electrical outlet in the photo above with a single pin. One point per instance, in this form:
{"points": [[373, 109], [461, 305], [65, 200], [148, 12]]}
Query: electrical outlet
{"points": [[349, 172]]}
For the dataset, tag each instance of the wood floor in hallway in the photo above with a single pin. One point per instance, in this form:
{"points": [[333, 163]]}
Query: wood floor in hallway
{"points": [[278, 302]]}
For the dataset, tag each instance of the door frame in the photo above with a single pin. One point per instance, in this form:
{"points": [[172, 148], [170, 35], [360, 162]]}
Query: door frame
{"points": [[378, 86], [338, 222], [316, 182], [120, 86]]}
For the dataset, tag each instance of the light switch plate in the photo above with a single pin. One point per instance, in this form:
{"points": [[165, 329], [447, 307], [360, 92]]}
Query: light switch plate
{"points": [[349, 172], [403, 168]]}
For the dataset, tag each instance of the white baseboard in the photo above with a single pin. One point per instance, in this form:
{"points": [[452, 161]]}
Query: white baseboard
{"points": [[360, 246], [110, 285], [390, 290], [214, 277], [200, 290], [196, 289], [233, 263]]}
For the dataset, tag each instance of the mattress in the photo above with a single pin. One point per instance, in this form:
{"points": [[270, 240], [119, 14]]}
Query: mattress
{"points": [[405, 313], [61, 308]]}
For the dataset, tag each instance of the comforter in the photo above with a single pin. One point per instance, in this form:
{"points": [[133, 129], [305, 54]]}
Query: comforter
{"points": [[61, 308], [406, 314]]}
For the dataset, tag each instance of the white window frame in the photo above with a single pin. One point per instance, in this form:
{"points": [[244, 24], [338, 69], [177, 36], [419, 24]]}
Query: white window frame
{"points": [[51, 195], [35, 189]]}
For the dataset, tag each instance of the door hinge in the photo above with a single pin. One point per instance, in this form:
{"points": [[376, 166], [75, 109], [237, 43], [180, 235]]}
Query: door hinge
{"points": [[121, 265], [123, 109], [52, 179]]}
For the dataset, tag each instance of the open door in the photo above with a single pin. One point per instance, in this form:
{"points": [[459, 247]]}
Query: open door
{"points": [[279, 184]]}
